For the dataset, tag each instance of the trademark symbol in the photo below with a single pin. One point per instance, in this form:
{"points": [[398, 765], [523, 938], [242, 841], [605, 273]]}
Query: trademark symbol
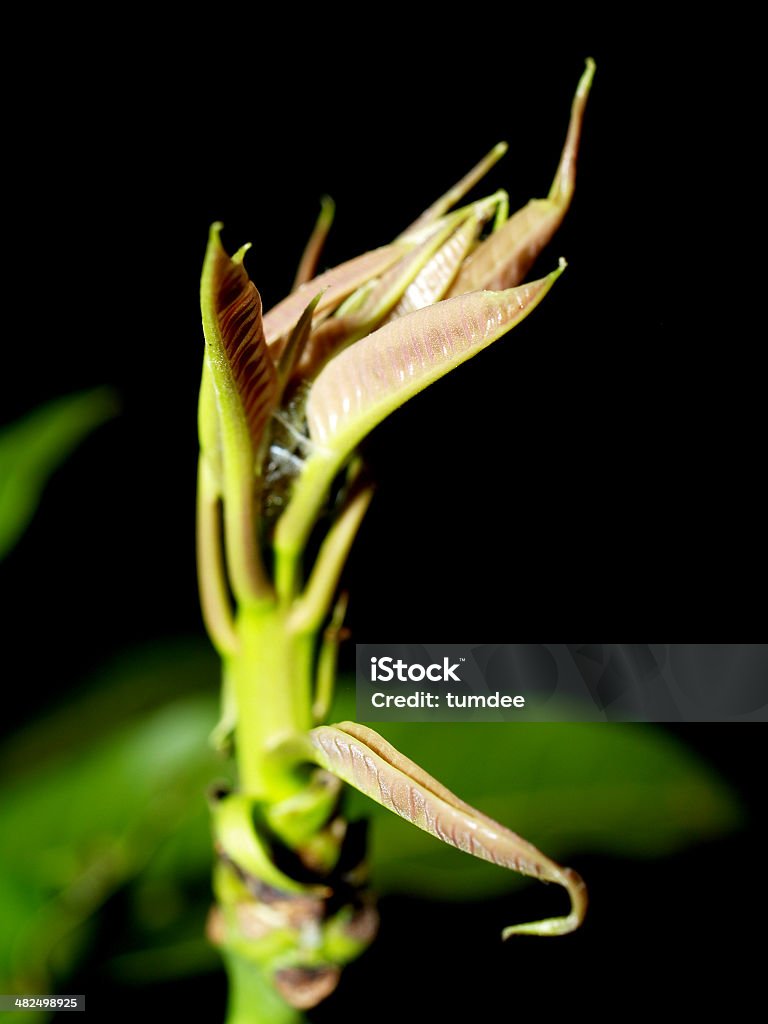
{"points": [[462, 659]]}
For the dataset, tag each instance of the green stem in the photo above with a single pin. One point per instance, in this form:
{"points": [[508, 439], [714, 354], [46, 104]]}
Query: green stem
{"points": [[246, 570], [214, 599], [326, 662], [312, 607], [295, 524], [271, 675], [252, 999]]}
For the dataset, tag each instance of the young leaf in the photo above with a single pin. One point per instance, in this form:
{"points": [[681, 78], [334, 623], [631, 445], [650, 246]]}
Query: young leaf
{"points": [[434, 279], [314, 247], [336, 285], [297, 342], [365, 383], [243, 375], [209, 429], [241, 378], [32, 448], [442, 245], [627, 791], [361, 758], [340, 331], [457, 192], [504, 258]]}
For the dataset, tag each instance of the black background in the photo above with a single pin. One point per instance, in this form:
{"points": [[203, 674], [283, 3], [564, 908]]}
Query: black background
{"points": [[564, 459], [606, 453]]}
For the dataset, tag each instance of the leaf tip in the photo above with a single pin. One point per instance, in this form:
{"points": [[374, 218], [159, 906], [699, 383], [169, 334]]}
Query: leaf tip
{"points": [[577, 891], [565, 179], [327, 209], [545, 283], [239, 256], [214, 249]]}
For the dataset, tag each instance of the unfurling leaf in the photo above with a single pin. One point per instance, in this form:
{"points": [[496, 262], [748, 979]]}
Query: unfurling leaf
{"points": [[337, 332], [434, 279], [314, 248], [361, 386], [626, 791], [367, 382], [238, 394], [361, 758], [454, 194], [506, 256], [335, 284], [297, 342], [242, 372]]}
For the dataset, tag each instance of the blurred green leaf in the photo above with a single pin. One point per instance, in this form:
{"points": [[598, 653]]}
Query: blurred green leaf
{"points": [[180, 959], [627, 790], [127, 687], [33, 447], [90, 822]]}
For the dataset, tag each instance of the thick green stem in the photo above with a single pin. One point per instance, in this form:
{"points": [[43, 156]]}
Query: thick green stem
{"points": [[271, 675], [253, 999]]}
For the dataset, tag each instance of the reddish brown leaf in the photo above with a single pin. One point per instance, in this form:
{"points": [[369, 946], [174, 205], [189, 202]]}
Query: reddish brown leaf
{"points": [[234, 334], [365, 760], [335, 284], [505, 257]]}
